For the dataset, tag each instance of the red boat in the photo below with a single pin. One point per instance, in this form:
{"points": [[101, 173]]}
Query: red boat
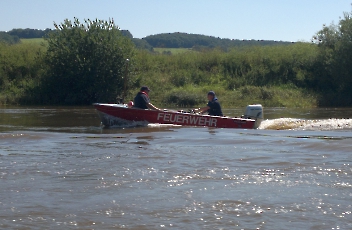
{"points": [[121, 115]]}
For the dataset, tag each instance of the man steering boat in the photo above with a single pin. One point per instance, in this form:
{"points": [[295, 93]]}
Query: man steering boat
{"points": [[213, 107]]}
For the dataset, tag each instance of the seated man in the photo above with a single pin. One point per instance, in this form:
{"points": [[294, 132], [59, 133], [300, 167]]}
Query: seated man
{"points": [[142, 100], [213, 107]]}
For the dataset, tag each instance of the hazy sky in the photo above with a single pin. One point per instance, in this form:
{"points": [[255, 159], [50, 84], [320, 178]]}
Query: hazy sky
{"points": [[294, 20]]}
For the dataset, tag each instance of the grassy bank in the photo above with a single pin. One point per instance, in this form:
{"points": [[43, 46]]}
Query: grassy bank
{"points": [[272, 76], [21, 70], [189, 96], [172, 50], [34, 41], [266, 75]]}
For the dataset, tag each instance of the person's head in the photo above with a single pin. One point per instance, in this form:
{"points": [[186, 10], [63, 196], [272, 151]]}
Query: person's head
{"points": [[211, 95], [145, 89]]}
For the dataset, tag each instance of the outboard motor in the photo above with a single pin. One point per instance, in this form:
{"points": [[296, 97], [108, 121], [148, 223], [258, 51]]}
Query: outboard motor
{"points": [[254, 112]]}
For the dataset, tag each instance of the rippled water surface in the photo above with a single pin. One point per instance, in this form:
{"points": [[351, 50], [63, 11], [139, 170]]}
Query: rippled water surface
{"points": [[60, 170]]}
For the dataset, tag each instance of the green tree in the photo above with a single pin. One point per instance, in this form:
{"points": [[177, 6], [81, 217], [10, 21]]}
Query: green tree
{"points": [[86, 62], [335, 43], [9, 39]]}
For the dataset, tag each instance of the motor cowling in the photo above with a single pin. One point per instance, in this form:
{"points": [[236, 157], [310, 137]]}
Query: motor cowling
{"points": [[254, 112]]}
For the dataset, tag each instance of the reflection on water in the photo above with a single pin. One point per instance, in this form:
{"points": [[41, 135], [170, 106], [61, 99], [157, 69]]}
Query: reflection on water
{"points": [[60, 170]]}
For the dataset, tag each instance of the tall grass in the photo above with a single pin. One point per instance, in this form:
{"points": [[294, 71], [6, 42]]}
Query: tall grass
{"points": [[21, 68], [34, 41], [170, 51], [272, 76]]}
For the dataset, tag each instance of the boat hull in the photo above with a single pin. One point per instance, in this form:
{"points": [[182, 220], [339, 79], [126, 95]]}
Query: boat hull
{"points": [[117, 114]]}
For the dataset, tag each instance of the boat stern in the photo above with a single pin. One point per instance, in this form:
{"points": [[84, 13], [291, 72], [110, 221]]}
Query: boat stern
{"points": [[254, 112]]}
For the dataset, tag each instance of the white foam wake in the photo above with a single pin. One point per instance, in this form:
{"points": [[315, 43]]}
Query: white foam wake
{"points": [[302, 124]]}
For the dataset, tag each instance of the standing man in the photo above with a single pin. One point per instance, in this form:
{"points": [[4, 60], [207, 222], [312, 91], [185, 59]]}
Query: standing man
{"points": [[213, 107], [142, 101]]}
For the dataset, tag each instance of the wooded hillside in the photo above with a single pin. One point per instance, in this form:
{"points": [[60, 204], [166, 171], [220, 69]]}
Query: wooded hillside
{"points": [[164, 40], [184, 40]]}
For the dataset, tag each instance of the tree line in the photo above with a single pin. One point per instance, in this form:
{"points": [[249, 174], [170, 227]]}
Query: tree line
{"points": [[6, 38], [86, 62], [164, 40], [29, 33], [185, 40]]}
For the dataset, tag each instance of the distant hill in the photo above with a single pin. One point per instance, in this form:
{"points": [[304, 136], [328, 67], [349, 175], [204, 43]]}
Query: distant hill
{"points": [[28, 33], [164, 40], [184, 40], [139, 43]]}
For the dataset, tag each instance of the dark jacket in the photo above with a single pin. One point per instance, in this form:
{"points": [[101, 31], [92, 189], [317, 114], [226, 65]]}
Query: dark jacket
{"points": [[141, 100], [215, 108]]}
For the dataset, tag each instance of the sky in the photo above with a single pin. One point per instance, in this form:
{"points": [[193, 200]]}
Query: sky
{"points": [[294, 20]]}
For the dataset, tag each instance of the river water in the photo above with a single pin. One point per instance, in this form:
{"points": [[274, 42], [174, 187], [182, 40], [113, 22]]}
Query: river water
{"points": [[60, 170]]}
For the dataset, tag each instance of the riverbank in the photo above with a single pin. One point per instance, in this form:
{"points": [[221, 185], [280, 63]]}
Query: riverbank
{"points": [[188, 96], [275, 76]]}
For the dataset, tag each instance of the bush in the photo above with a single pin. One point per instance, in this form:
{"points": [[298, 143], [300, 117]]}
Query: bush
{"points": [[88, 61]]}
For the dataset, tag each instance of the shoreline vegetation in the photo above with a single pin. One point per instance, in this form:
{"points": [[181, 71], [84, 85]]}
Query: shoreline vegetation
{"points": [[183, 79], [71, 66], [177, 76]]}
